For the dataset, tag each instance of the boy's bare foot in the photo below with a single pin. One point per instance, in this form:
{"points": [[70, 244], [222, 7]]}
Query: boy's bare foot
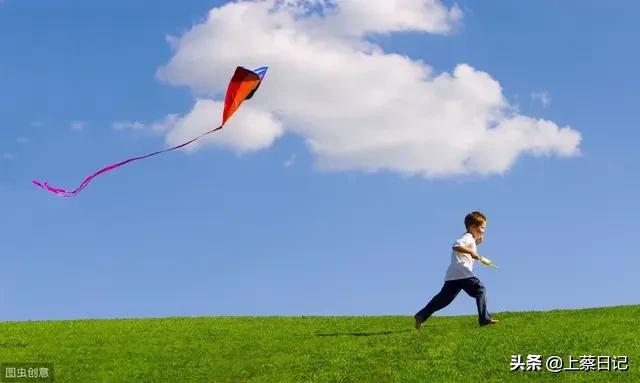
{"points": [[418, 322], [492, 321]]}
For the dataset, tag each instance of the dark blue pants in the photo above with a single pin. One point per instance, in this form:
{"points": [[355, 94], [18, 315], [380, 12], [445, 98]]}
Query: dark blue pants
{"points": [[450, 290]]}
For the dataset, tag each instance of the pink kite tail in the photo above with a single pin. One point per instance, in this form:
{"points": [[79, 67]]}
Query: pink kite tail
{"points": [[65, 193]]}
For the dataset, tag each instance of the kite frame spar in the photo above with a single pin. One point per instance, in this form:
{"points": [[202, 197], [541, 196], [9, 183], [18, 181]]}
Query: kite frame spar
{"points": [[242, 86]]}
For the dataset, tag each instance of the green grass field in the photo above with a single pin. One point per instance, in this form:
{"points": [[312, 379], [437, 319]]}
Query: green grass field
{"points": [[326, 349]]}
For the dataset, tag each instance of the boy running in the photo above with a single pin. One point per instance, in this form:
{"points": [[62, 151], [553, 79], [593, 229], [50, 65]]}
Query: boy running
{"points": [[460, 275]]}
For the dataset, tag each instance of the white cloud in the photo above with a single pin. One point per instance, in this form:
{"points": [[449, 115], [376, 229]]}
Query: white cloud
{"points": [[250, 130], [358, 18], [290, 161], [160, 126], [22, 140], [78, 125], [168, 122], [356, 106], [541, 97], [499, 147], [128, 125]]}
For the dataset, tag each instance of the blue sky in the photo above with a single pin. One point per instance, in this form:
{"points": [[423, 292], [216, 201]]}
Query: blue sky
{"points": [[226, 230]]}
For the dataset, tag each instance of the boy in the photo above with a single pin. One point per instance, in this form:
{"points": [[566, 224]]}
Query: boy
{"points": [[460, 276]]}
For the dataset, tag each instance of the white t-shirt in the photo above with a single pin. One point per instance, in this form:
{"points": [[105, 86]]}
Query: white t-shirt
{"points": [[461, 263]]}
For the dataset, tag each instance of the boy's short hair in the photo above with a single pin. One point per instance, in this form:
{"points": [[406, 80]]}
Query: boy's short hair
{"points": [[475, 218]]}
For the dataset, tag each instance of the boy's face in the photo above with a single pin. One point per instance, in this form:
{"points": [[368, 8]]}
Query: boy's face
{"points": [[478, 231]]}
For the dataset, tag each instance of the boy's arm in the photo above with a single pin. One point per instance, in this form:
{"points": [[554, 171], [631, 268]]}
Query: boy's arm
{"points": [[471, 252]]}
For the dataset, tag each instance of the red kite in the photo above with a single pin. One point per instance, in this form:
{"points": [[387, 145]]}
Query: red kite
{"points": [[242, 86]]}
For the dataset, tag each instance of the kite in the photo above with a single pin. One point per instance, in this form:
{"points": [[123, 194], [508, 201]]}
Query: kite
{"points": [[242, 86]]}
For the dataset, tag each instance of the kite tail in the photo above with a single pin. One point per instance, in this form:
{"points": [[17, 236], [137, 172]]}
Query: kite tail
{"points": [[65, 193]]}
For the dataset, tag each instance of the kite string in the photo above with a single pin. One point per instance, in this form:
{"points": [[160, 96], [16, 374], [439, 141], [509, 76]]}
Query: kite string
{"points": [[65, 193]]}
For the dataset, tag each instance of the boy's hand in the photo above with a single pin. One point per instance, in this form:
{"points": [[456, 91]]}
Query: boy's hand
{"points": [[487, 262]]}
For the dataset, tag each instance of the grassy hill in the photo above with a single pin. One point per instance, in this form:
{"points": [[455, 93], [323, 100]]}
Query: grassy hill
{"points": [[326, 349]]}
